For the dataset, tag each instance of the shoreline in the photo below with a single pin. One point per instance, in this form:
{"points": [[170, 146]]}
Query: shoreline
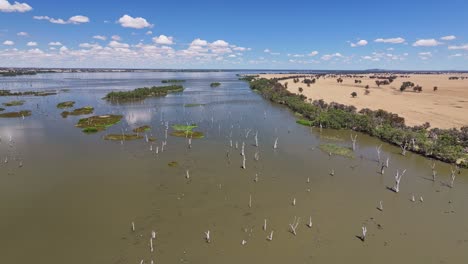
{"points": [[447, 145]]}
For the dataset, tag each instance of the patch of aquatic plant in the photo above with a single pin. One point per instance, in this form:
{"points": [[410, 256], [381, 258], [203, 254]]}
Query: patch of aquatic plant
{"points": [[99, 123], [122, 137], [90, 130], [14, 103], [215, 84], [65, 90], [173, 164], [184, 127], [141, 129], [151, 139], [27, 93], [79, 111], [186, 131], [188, 134], [331, 138], [66, 104], [2, 109], [337, 150], [305, 122], [449, 145], [142, 93], [173, 81], [22, 113], [193, 105]]}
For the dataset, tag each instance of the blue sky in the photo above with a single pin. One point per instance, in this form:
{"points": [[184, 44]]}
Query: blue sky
{"points": [[407, 35]]}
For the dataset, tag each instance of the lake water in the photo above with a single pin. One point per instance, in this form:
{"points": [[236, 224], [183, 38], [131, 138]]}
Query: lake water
{"points": [[75, 196]]}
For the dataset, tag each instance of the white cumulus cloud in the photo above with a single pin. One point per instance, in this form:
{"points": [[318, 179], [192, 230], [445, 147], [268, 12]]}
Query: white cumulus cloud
{"points": [[8, 43], [56, 43], [6, 7], [313, 53], [426, 43], [451, 37], [461, 47], [397, 40], [163, 40], [360, 43], [133, 22], [22, 34], [31, 44], [100, 37], [72, 20]]}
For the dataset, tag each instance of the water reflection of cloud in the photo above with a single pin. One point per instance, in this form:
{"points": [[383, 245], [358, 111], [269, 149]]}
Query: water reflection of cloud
{"points": [[23, 130], [138, 116]]}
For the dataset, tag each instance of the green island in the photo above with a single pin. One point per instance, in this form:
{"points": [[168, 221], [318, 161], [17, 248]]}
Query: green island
{"points": [[173, 81], [142, 93], [193, 105], [142, 129], [21, 113], [98, 123], [66, 104], [337, 150], [215, 84], [2, 109], [121, 137], [186, 131], [79, 111], [14, 103], [448, 145], [27, 93]]}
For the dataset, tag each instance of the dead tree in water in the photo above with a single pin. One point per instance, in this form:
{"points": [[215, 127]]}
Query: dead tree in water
{"points": [[270, 237], [309, 225], [453, 171], [207, 236], [275, 146], [380, 207], [354, 139], [434, 172], [294, 225], [403, 148], [364, 233], [398, 177], [382, 169], [378, 153]]}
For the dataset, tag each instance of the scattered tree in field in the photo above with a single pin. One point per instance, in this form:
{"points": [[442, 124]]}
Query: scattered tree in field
{"points": [[435, 88], [286, 85], [367, 92], [353, 94], [367, 87], [339, 80], [417, 88], [405, 85], [300, 89]]}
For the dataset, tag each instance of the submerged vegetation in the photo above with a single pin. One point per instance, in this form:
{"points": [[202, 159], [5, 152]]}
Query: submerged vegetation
{"points": [[142, 93], [2, 109], [449, 145], [66, 104], [14, 103], [334, 149], [215, 84], [79, 111], [141, 129], [120, 137], [21, 113], [98, 123]]}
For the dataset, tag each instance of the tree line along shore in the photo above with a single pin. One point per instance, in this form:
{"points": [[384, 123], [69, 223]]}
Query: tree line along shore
{"points": [[448, 145]]}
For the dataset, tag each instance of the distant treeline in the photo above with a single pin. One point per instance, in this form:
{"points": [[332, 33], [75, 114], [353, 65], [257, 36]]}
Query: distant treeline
{"points": [[449, 145], [27, 93], [173, 81], [142, 93]]}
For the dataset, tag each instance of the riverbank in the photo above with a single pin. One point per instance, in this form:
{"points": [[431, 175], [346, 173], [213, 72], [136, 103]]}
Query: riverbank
{"points": [[446, 107], [448, 145]]}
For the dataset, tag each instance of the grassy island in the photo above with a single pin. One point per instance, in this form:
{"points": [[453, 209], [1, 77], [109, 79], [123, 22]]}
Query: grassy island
{"points": [[22, 113], [67, 104], [121, 137], [173, 81], [142, 93], [79, 111], [27, 93], [14, 103], [98, 123], [215, 84], [448, 145], [142, 129]]}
